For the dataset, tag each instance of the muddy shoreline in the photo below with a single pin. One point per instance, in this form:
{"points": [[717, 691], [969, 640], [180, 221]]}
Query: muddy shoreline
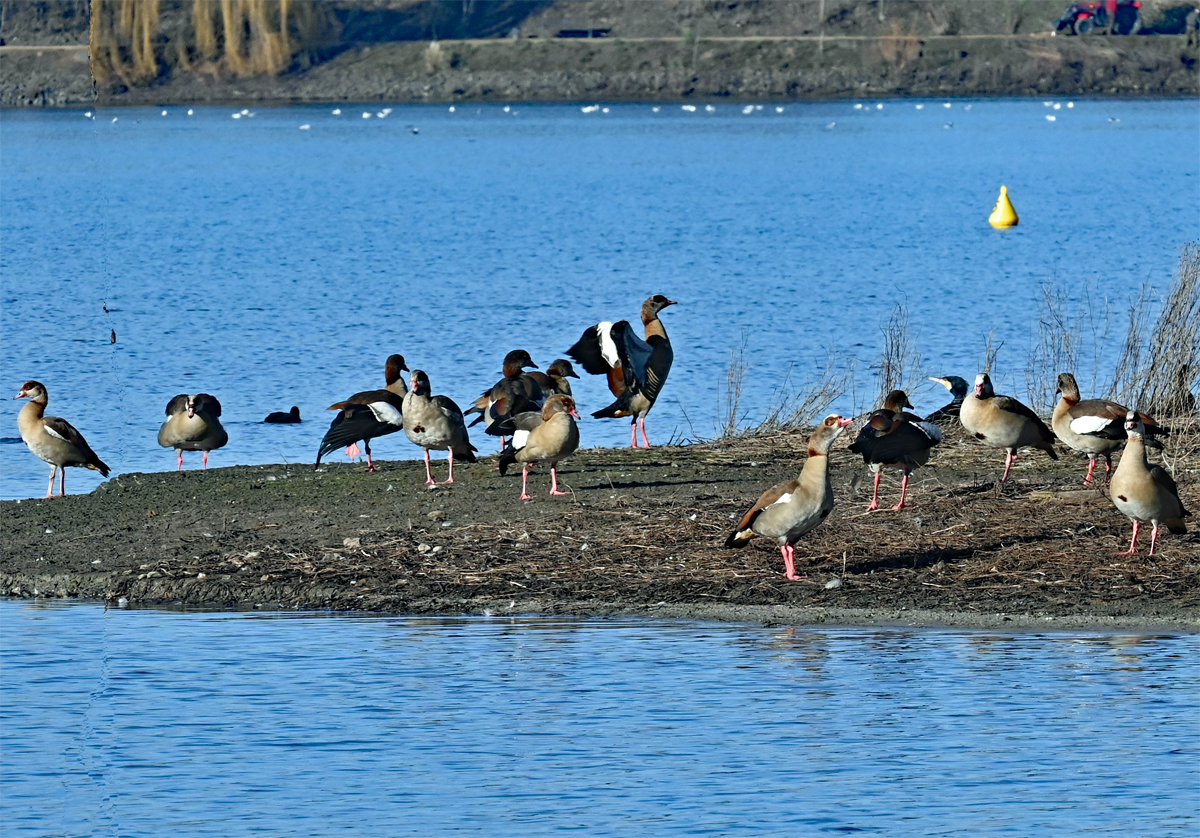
{"points": [[641, 535]]}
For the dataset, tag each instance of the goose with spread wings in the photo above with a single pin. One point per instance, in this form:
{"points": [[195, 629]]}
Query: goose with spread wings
{"points": [[636, 369]]}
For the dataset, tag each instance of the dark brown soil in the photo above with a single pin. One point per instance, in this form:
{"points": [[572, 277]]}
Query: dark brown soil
{"points": [[642, 532]]}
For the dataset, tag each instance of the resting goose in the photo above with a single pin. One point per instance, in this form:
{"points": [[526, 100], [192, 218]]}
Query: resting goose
{"points": [[292, 417], [895, 438], [958, 391], [1145, 493], [1003, 422], [554, 380], [193, 424], [549, 435], [1095, 427], [52, 438], [788, 510], [435, 423], [517, 392], [636, 369]]}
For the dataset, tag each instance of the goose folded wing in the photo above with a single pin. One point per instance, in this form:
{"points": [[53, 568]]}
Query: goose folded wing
{"points": [[60, 428]]}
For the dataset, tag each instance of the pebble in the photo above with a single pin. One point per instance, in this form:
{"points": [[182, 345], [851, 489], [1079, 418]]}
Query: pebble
{"points": [[833, 583]]}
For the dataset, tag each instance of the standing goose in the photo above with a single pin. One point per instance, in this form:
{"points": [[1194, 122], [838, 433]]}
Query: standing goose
{"points": [[547, 436], [517, 392], [554, 380], [1095, 427], [435, 422], [788, 510], [1145, 493], [1003, 422], [958, 391], [393, 384], [636, 369], [52, 438], [193, 424], [895, 438]]}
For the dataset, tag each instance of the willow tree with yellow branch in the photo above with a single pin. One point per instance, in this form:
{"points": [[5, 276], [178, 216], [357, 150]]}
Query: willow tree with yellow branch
{"points": [[241, 37]]}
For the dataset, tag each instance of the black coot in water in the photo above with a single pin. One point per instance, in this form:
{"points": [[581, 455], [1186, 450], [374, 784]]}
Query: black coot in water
{"points": [[289, 418]]}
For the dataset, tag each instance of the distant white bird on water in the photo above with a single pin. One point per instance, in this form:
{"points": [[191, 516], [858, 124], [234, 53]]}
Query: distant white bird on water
{"points": [[366, 115], [507, 108], [1051, 117], [749, 109], [879, 107], [758, 107], [604, 110], [919, 107], [830, 126], [1057, 106], [416, 130], [689, 108], [858, 106], [947, 124], [189, 111], [236, 115], [452, 109], [164, 113], [88, 114], [305, 127], [1070, 104], [710, 108], [337, 111], [115, 118], [655, 109], [967, 107], [1113, 120], [779, 109], [946, 105]]}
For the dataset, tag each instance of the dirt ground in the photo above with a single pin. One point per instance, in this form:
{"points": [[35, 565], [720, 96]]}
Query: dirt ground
{"points": [[641, 533]]}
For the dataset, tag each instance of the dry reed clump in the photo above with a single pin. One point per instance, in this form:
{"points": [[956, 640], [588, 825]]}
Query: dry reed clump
{"points": [[133, 42], [436, 59], [898, 45], [900, 365]]}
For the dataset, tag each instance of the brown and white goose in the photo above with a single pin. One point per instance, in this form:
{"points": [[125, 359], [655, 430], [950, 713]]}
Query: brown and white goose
{"points": [[895, 438], [435, 423], [1145, 493], [548, 436], [517, 392], [788, 510], [1095, 427], [193, 424], [636, 369], [1003, 422], [554, 380], [52, 438]]}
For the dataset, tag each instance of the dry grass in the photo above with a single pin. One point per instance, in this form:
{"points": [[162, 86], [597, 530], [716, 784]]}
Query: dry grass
{"points": [[900, 365]]}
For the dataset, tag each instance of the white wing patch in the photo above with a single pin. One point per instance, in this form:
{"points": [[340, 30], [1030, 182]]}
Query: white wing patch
{"points": [[1089, 424], [55, 433], [386, 413], [930, 430], [784, 498], [608, 348], [519, 439]]}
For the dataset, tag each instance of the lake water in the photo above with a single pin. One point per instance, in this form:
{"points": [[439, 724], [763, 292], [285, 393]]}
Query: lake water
{"points": [[151, 723], [274, 266]]}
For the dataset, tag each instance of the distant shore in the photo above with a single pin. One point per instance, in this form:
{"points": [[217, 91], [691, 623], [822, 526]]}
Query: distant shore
{"points": [[780, 69], [641, 535]]}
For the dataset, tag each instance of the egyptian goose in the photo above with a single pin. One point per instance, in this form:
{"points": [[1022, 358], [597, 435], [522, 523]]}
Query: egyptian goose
{"points": [[435, 422], [547, 436], [52, 438], [554, 380], [364, 416], [958, 388], [788, 510], [279, 418], [1003, 422], [1095, 427], [517, 392], [636, 369], [1145, 493], [193, 424], [895, 438]]}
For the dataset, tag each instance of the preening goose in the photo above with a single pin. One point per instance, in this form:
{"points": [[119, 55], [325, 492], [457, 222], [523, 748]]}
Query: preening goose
{"points": [[517, 392], [895, 438], [364, 416], [435, 423], [958, 388], [788, 510], [53, 439], [1003, 422], [193, 424], [548, 436], [1095, 427], [636, 369], [1145, 493]]}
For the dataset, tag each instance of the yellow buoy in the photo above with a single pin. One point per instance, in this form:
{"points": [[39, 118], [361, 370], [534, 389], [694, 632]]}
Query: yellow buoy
{"points": [[1003, 215]]}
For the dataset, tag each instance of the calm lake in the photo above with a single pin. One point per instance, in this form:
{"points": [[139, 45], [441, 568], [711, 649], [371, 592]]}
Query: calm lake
{"points": [[151, 723], [273, 266]]}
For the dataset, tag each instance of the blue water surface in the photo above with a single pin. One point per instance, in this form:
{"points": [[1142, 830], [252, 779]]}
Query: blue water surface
{"points": [[274, 266], [149, 723]]}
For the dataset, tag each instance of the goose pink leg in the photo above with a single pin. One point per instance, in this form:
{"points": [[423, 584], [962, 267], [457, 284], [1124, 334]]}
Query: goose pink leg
{"points": [[633, 435], [450, 479], [1087, 481], [554, 481], [875, 495], [903, 490], [352, 450], [180, 468], [429, 481], [53, 474], [642, 425], [525, 483], [1153, 533], [789, 562], [1009, 459], [1132, 551]]}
